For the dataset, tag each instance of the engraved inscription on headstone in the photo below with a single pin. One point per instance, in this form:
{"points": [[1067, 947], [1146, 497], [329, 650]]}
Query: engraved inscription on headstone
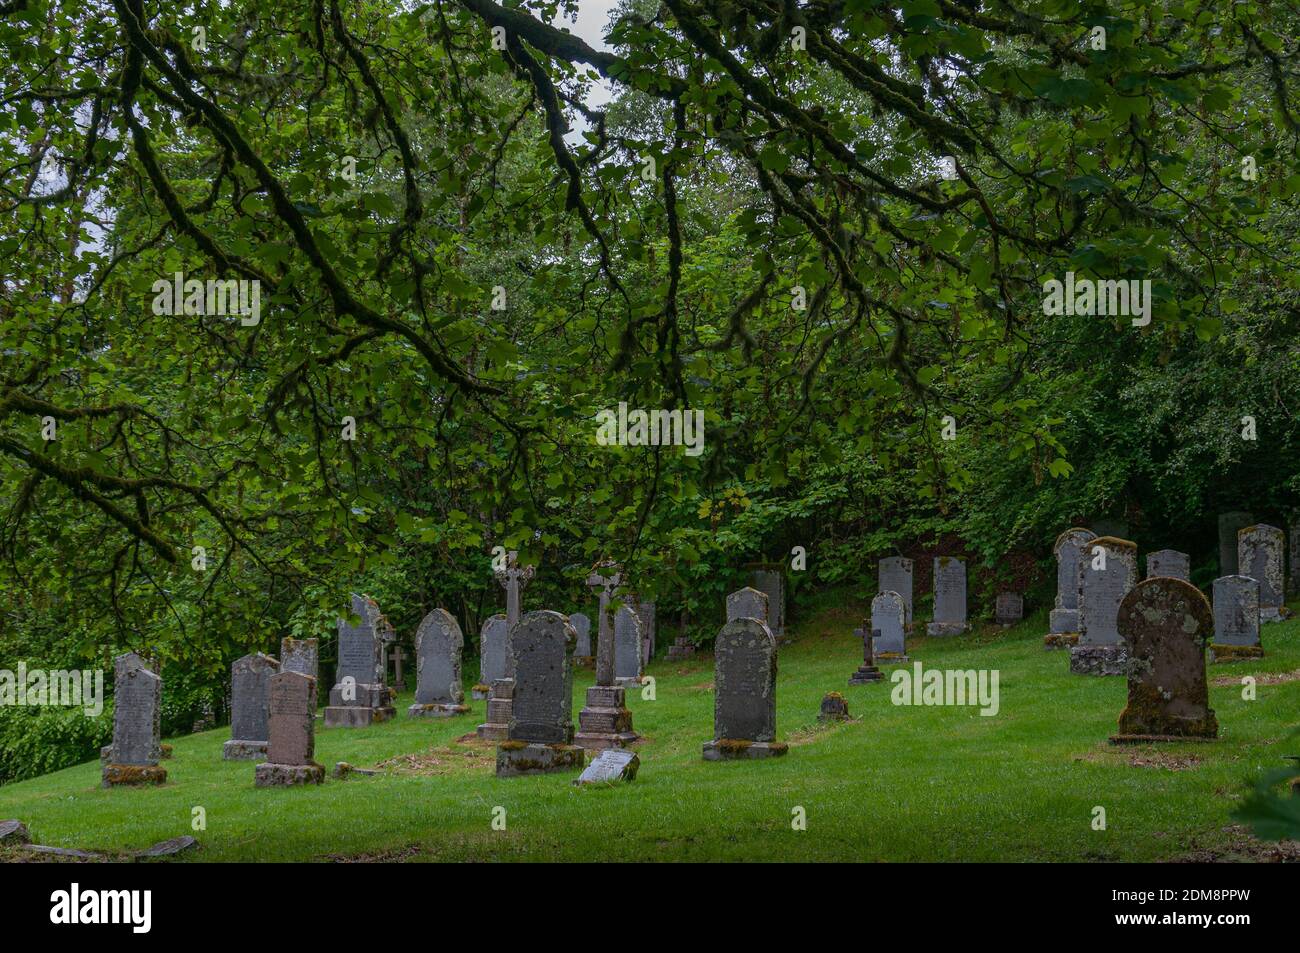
{"points": [[541, 718], [949, 597], [1063, 622], [1236, 618], [744, 702], [250, 699], [1260, 551], [888, 618], [438, 646], [1107, 572], [627, 646], [1169, 563]]}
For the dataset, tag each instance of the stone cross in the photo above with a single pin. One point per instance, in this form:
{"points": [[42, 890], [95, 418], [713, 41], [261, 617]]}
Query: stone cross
{"points": [[606, 583], [396, 656], [515, 579]]}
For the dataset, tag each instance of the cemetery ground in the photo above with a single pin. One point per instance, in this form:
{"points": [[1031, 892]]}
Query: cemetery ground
{"points": [[897, 783]]}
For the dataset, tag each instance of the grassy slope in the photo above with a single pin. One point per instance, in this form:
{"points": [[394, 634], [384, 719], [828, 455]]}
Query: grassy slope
{"points": [[899, 783]]}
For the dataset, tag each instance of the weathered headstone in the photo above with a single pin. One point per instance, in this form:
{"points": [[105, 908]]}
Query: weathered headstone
{"points": [[868, 671], [888, 617], [1107, 572], [540, 738], [682, 647], [1259, 555], [1169, 563], [895, 575], [771, 582], [300, 655], [250, 707], [949, 597], [744, 693], [605, 720], [609, 767], [137, 747], [492, 654], [1009, 608], [1063, 622], [834, 708], [1236, 619], [747, 603], [360, 695], [290, 755], [1230, 524], [439, 643], [627, 646], [584, 654], [646, 613], [1165, 624]]}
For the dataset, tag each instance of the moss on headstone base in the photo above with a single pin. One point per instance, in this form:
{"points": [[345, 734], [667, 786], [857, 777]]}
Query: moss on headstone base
{"points": [[1146, 714], [133, 774], [1235, 653]]}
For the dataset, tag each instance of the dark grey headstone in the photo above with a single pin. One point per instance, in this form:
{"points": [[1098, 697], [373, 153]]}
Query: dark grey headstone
{"points": [[492, 649], [361, 649], [1169, 563], [627, 644], [744, 704], [1229, 525], [137, 697], [646, 613], [1009, 608], [1070, 548], [581, 623], [1102, 590], [771, 582], [1236, 610], [895, 575], [888, 617], [949, 596], [293, 719], [250, 697], [542, 644], [438, 647], [1260, 553]]}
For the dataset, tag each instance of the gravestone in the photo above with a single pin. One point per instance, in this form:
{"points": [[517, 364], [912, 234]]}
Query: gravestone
{"points": [[540, 738], [1293, 574], [250, 707], [610, 767], [646, 613], [744, 693], [888, 618], [627, 646], [605, 720], [438, 647], [1107, 572], [301, 655], [771, 582], [360, 695], [290, 754], [1165, 624], [126, 662], [868, 671], [949, 597], [1106, 526], [583, 655], [137, 747], [492, 654], [895, 575], [1259, 555], [1063, 622], [1230, 524], [1169, 563], [834, 708], [747, 603], [501, 695], [682, 647], [1236, 619], [1009, 608]]}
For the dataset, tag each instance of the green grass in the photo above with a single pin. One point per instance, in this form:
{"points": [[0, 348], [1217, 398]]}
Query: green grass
{"points": [[897, 783]]}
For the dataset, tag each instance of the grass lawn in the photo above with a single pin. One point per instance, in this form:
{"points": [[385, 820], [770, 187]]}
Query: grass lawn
{"points": [[896, 783]]}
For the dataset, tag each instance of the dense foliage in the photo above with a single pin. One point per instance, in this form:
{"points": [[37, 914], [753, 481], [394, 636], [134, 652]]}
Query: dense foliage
{"points": [[827, 226]]}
